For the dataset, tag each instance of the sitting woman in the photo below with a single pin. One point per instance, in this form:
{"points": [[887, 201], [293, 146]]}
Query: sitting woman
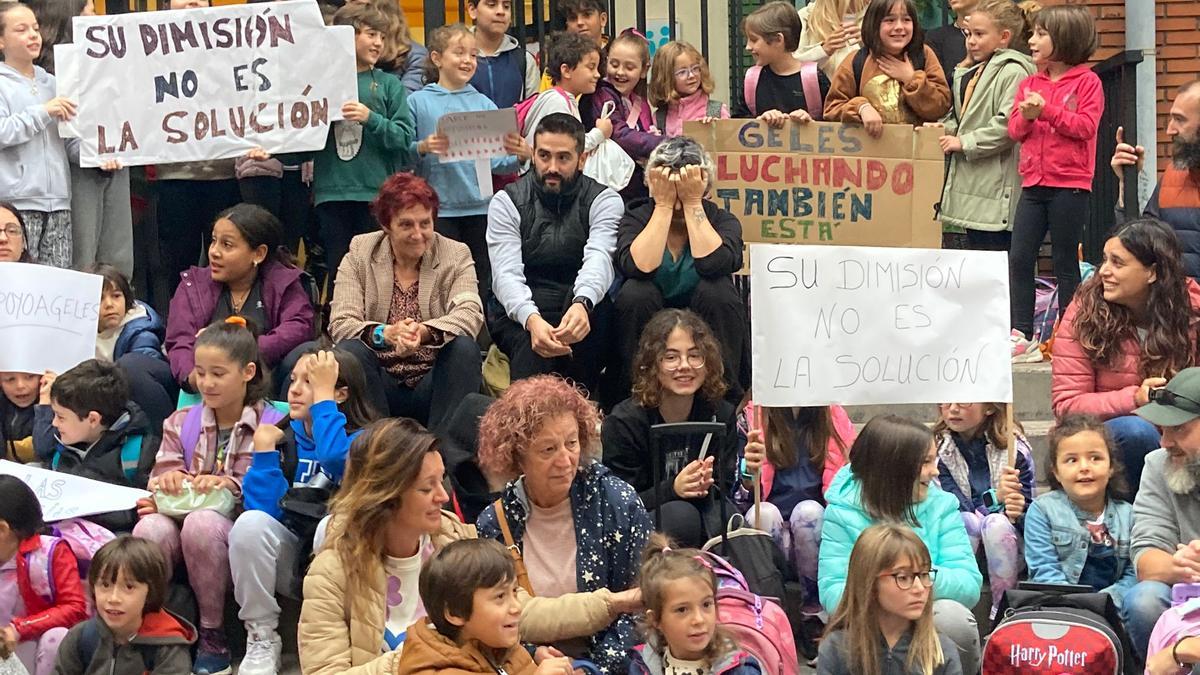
{"points": [[407, 305], [680, 250], [1130, 328], [360, 594], [892, 478], [250, 274], [677, 378], [578, 528]]}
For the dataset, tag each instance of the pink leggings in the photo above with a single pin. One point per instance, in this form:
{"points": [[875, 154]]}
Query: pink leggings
{"points": [[203, 544]]}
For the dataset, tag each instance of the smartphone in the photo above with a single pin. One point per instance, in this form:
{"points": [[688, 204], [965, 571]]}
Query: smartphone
{"points": [[1181, 593]]}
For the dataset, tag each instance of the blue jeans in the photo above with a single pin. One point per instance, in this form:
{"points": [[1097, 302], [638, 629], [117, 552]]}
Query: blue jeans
{"points": [[1144, 603], [1136, 438]]}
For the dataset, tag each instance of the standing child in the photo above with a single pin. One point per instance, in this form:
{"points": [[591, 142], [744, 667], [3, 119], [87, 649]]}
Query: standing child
{"points": [[573, 62], [1055, 117], [462, 205], [681, 88], [682, 636], [587, 18], [507, 73], [982, 182], [1079, 532], [779, 87], [894, 78], [18, 409], [328, 406], [205, 452], [43, 592], [29, 142], [972, 440], [132, 633], [884, 623]]}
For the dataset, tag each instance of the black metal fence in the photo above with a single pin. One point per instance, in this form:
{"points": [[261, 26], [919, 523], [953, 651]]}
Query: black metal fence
{"points": [[1118, 75]]}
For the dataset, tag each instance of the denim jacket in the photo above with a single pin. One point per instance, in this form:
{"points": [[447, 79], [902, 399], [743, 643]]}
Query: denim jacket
{"points": [[1056, 541]]}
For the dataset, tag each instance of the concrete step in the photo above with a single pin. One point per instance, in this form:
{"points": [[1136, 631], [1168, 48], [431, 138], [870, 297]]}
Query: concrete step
{"points": [[1031, 399]]}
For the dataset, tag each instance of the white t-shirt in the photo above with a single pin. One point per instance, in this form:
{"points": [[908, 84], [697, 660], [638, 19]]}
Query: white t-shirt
{"points": [[403, 601]]}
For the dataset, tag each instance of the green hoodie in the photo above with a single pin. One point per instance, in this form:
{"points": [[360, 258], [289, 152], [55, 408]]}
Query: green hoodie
{"points": [[359, 157]]}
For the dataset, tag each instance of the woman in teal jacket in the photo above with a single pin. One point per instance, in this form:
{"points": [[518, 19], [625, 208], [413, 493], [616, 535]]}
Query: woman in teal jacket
{"points": [[892, 477]]}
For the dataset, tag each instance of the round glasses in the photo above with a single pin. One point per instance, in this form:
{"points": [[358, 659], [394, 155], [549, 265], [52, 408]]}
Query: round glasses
{"points": [[12, 231], [684, 73], [674, 361], [904, 580]]}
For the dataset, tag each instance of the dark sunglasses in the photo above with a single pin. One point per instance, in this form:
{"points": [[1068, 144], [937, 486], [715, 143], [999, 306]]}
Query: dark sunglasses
{"points": [[1164, 396]]}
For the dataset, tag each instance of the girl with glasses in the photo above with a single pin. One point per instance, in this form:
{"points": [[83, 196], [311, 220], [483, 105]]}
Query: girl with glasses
{"points": [[884, 623], [681, 88]]}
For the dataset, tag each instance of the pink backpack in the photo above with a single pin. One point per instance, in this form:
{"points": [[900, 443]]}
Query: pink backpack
{"points": [[523, 108], [808, 80], [84, 538], [758, 625]]}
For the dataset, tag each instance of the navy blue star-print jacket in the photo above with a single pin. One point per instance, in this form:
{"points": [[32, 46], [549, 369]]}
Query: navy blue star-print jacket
{"points": [[611, 529]]}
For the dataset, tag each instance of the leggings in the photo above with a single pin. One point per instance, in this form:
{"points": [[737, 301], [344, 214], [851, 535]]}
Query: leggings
{"points": [[1001, 547], [799, 538], [203, 544], [1061, 211]]}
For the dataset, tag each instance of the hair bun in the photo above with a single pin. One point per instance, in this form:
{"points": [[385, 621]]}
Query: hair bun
{"points": [[237, 321]]}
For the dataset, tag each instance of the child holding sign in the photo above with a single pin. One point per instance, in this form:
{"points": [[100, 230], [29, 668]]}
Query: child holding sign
{"points": [[779, 87], [34, 171], [462, 201]]}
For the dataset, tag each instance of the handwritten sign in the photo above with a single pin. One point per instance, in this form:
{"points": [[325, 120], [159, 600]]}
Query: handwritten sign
{"points": [[48, 317], [827, 183], [65, 496], [478, 137], [207, 83], [859, 325]]}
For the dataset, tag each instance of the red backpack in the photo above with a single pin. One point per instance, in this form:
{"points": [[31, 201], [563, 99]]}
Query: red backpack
{"points": [[808, 80], [759, 625]]}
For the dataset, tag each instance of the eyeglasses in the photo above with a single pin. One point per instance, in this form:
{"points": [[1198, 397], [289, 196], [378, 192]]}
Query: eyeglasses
{"points": [[684, 73], [674, 361], [904, 580], [12, 231], [1164, 396]]}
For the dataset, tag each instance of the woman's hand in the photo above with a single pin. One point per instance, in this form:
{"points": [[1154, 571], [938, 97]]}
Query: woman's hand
{"points": [[47, 383], [900, 70], [438, 144], [206, 483], [353, 111], [323, 375], [774, 118], [626, 602], [1142, 396], [690, 185], [60, 108], [695, 479], [871, 119], [950, 144], [835, 41], [662, 188], [267, 437], [170, 483]]}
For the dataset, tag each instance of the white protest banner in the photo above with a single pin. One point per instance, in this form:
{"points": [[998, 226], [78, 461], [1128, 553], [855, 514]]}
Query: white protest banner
{"points": [[65, 496], [47, 317], [864, 325], [207, 83], [478, 137]]}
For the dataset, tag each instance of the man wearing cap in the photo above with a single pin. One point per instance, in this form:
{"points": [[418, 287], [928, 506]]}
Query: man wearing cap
{"points": [[1166, 514]]}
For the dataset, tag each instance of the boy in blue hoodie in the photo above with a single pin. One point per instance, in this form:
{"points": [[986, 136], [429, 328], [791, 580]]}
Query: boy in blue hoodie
{"points": [[507, 73], [462, 202], [267, 551]]}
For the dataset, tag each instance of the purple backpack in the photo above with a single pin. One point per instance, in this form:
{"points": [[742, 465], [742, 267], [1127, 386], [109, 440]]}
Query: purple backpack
{"points": [[193, 423]]}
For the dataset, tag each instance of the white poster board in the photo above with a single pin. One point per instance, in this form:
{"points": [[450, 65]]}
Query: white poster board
{"points": [[65, 496], [48, 317], [208, 83], [858, 325], [478, 137]]}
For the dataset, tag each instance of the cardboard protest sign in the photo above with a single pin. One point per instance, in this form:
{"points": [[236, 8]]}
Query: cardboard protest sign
{"points": [[63, 495], [859, 325], [48, 317], [209, 83], [478, 137], [827, 183]]}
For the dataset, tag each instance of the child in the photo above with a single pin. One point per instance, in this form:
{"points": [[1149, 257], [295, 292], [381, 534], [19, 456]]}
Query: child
{"points": [[992, 497], [463, 205], [982, 183], [86, 426], [401, 55], [682, 635], [798, 460], [1055, 117], [18, 398], [681, 86], [573, 62], [507, 73], [30, 144], [43, 592], [126, 325], [779, 87], [1090, 524], [894, 79], [588, 18], [132, 633], [469, 590], [328, 406], [624, 84], [884, 623], [207, 449]]}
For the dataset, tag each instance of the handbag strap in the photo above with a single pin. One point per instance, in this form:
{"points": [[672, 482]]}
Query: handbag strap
{"points": [[513, 551]]}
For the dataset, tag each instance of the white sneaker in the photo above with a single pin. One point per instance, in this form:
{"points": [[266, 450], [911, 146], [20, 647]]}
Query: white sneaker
{"points": [[1024, 350], [263, 648]]}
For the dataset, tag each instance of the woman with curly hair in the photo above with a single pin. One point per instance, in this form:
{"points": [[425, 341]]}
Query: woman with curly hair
{"points": [[677, 377], [1130, 328], [578, 529]]}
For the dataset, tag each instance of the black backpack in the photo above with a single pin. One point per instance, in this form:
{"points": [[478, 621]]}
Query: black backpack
{"points": [[89, 642]]}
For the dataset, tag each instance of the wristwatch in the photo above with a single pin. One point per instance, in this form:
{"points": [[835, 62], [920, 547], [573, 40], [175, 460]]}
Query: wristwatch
{"points": [[377, 339], [585, 301]]}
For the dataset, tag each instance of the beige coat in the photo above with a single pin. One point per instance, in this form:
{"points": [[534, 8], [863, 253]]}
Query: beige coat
{"points": [[362, 295], [335, 640]]}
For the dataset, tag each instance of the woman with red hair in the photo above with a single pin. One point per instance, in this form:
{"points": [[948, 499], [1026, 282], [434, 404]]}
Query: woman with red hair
{"points": [[406, 304]]}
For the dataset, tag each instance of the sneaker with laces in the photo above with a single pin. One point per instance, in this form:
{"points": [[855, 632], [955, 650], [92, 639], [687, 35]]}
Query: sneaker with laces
{"points": [[263, 649], [212, 656], [1024, 350]]}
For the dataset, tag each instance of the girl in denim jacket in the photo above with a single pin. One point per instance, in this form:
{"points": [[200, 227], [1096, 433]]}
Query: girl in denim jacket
{"points": [[1079, 533]]}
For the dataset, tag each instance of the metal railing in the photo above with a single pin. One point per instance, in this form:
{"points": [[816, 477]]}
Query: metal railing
{"points": [[1118, 76]]}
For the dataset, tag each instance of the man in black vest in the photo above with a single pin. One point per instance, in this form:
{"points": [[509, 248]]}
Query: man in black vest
{"points": [[551, 237]]}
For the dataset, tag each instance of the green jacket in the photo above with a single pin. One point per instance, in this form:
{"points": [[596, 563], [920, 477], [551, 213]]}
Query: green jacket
{"points": [[359, 157], [982, 184]]}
